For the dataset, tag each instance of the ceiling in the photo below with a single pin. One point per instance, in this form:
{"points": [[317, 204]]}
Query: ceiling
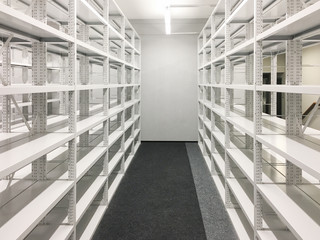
{"points": [[154, 9]]}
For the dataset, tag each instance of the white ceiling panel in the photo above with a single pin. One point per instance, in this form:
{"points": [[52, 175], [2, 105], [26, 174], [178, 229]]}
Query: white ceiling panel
{"points": [[154, 9]]}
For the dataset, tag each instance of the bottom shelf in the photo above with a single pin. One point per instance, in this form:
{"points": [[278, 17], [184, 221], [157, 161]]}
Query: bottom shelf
{"points": [[274, 235], [93, 217], [51, 228], [46, 195], [301, 215], [89, 207], [289, 211], [237, 218]]}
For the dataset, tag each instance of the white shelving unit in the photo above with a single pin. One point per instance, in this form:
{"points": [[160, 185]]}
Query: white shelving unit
{"points": [[265, 164], [70, 114]]}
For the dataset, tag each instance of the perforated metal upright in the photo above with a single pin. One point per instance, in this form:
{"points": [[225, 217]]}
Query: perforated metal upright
{"points": [[6, 80], [257, 151], [106, 100], [265, 166], [274, 70], [294, 100], [228, 103], [55, 165], [63, 96], [84, 95], [39, 78], [72, 117], [25, 97]]}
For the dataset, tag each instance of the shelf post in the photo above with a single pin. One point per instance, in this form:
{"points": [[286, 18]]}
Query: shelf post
{"points": [[84, 33], [106, 144], [257, 152], [25, 97], [228, 102], [218, 80], [7, 2], [138, 79], [274, 71], [213, 67], [132, 50], [294, 100], [72, 119], [139, 120], [105, 197], [249, 95], [39, 78], [213, 150], [84, 98], [229, 203], [139, 56], [120, 90], [122, 166], [6, 81], [106, 100], [63, 107], [132, 145], [106, 67], [213, 31]]}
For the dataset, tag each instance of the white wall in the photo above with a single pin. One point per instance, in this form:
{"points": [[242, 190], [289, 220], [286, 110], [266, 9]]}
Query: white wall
{"points": [[310, 76], [169, 84]]}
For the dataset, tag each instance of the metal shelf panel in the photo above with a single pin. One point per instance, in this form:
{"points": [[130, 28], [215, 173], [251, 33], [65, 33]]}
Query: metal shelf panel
{"points": [[87, 119], [25, 25], [41, 232], [299, 223], [87, 161], [304, 89], [240, 87], [26, 89], [238, 223], [34, 206], [114, 186], [91, 192], [15, 156], [244, 11], [242, 49], [274, 235], [296, 150], [301, 22], [114, 162], [242, 198], [130, 158], [277, 28], [93, 222]]}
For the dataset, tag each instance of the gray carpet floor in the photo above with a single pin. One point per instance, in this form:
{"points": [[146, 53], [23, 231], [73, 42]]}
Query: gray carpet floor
{"points": [[167, 193], [216, 220]]}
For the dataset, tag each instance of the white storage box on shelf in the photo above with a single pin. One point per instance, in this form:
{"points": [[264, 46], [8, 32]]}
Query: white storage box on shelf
{"points": [[78, 62], [265, 166]]}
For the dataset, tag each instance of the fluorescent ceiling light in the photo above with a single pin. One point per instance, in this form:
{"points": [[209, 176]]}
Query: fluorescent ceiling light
{"points": [[167, 16], [167, 20]]}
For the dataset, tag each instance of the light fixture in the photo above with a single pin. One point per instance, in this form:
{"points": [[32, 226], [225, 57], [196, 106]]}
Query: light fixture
{"points": [[167, 17]]}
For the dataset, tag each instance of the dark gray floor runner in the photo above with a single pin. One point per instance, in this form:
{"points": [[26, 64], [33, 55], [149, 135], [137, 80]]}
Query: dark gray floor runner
{"points": [[216, 220], [156, 199]]}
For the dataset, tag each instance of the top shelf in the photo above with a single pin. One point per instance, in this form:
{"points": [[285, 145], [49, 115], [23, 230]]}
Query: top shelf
{"points": [[244, 12], [27, 29], [27, 26], [296, 26]]}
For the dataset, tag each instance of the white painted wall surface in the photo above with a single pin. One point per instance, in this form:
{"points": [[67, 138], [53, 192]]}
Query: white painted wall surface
{"points": [[169, 88]]}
